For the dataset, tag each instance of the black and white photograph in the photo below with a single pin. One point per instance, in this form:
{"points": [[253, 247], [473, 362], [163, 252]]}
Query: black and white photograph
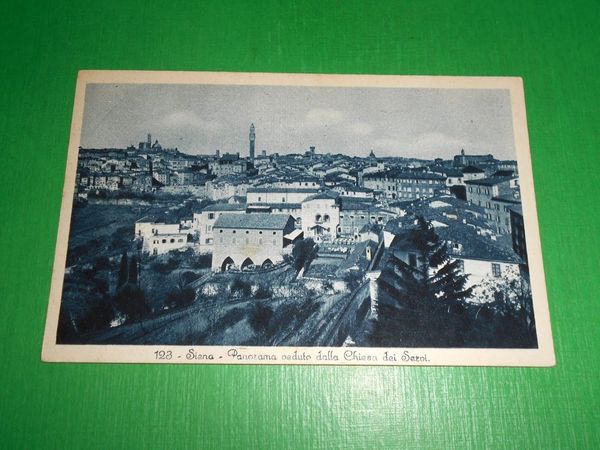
{"points": [[304, 219]]}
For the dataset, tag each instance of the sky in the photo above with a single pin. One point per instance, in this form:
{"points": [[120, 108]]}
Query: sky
{"points": [[198, 119]]}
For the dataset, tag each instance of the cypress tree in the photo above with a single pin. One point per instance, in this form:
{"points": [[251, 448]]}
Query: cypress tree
{"points": [[133, 270], [428, 295], [123, 271]]}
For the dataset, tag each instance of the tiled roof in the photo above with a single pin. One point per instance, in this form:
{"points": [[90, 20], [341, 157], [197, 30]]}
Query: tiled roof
{"points": [[352, 204], [254, 221], [325, 195], [226, 207], [506, 199], [472, 169], [491, 181], [473, 245], [277, 205], [262, 190]]}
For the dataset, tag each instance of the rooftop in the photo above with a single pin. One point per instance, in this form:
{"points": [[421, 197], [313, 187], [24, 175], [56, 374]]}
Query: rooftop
{"points": [[254, 221], [263, 190], [226, 207], [472, 169], [491, 181]]}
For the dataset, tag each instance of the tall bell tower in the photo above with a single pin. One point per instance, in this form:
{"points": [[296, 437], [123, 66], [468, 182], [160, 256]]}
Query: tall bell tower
{"points": [[252, 141]]}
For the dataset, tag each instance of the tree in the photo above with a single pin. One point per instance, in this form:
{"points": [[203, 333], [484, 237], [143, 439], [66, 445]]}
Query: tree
{"points": [[181, 296], [131, 302], [303, 253], [259, 319], [428, 294], [508, 303], [133, 270], [435, 278], [123, 271]]}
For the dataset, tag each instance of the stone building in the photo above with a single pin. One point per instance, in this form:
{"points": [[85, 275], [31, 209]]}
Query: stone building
{"points": [[497, 195], [158, 237], [203, 221], [321, 215], [465, 160], [244, 241], [279, 195]]}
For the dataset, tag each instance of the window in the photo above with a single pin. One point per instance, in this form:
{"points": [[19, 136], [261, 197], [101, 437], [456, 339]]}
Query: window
{"points": [[461, 265], [282, 199], [233, 231], [164, 241], [220, 231], [259, 199], [172, 240], [260, 232], [247, 232], [412, 259], [496, 270], [274, 232], [211, 215]]}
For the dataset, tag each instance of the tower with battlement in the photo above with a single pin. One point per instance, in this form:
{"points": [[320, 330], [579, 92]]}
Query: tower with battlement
{"points": [[252, 141]]}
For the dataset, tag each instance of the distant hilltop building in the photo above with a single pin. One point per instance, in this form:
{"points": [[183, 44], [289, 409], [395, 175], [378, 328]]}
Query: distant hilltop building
{"points": [[472, 160], [148, 145]]}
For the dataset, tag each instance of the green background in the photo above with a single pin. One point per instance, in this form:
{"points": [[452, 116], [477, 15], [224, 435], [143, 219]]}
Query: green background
{"points": [[552, 45]]}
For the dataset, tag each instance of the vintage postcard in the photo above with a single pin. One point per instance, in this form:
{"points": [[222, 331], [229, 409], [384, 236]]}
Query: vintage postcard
{"points": [[256, 218]]}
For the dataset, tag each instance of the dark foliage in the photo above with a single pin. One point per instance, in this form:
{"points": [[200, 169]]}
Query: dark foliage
{"points": [[240, 287], [131, 302], [102, 263], [263, 292], [96, 315], [123, 271], [133, 270], [188, 276], [181, 297], [303, 253], [429, 295], [78, 252], [203, 261], [121, 238], [260, 316], [166, 267], [353, 279]]}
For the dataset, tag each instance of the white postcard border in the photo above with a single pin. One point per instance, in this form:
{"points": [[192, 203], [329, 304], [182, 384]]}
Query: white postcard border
{"points": [[543, 356]]}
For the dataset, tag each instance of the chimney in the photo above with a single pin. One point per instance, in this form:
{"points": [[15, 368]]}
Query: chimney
{"points": [[218, 153]]}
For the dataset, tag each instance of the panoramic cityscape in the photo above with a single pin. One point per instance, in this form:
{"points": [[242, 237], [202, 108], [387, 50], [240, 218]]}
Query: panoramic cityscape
{"points": [[296, 249]]}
